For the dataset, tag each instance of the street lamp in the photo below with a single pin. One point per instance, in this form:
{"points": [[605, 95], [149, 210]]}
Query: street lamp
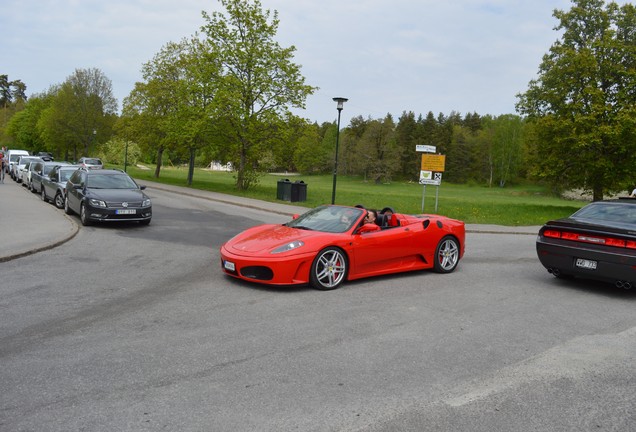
{"points": [[126, 156], [340, 101]]}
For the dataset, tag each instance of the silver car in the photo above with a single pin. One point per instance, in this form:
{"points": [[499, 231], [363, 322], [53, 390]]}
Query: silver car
{"points": [[54, 184], [21, 168]]}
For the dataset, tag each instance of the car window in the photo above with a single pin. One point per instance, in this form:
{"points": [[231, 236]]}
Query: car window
{"points": [[117, 181], [75, 178], [332, 219], [65, 174], [625, 213]]}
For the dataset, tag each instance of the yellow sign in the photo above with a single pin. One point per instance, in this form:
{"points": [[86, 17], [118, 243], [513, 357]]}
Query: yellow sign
{"points": [[433, 162]]}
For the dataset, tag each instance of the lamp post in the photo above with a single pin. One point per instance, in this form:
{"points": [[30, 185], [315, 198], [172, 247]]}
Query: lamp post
{"points": [[340, 101], [126, 156]]}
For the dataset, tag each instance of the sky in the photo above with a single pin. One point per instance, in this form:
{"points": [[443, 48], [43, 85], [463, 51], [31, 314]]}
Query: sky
{"points": [[466, 56]]}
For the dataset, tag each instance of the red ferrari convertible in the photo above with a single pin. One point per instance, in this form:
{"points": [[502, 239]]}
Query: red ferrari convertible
{"points": [[331, 244]]}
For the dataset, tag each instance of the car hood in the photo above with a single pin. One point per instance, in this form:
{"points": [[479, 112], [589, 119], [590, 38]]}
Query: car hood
{"points": [[265, 237], [118, 194]]}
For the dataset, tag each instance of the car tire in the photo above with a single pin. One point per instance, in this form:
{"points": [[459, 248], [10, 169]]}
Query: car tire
{"points": [[447, 255], [329, 269], [43, 195], [83, 216], [67, 209], [59, 201]]}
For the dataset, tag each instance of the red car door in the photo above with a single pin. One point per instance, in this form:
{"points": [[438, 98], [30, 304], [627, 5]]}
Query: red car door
{"points": [[383, 252]]}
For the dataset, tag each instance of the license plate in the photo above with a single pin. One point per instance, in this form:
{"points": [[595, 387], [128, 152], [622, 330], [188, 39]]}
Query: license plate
{"points": [[229, 266], [586, 264], [126, 211]]}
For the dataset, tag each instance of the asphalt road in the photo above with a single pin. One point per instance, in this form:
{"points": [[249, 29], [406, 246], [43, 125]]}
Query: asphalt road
{"points": [[129, 328]]}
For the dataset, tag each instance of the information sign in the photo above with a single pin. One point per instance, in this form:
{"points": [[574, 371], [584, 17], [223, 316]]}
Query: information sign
{"points": [[433, 162], [425, 148], [430, 178]]}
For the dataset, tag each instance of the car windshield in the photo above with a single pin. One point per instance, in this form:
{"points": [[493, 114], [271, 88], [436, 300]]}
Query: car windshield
{"points": [[609, 212], [92, 161], [333, 219], [110, 181]]}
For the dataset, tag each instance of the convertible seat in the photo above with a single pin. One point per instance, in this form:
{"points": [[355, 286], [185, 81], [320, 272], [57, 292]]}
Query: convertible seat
{"points": [[381, 220]]}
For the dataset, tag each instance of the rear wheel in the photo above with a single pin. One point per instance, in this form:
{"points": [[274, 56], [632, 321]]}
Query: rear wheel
{"points": [[329, 269], [446, 255], [59, 200]]}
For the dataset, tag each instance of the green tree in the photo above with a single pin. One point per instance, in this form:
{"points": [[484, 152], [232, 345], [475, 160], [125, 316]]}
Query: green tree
{"points": [[583, 104], [406, 138], [23, 125], [258, 85], [376, 152], [168, 110], [507, 148], [82, 113]]}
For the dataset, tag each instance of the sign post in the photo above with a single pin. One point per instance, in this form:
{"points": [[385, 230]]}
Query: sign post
{"points": [[431, 170]]}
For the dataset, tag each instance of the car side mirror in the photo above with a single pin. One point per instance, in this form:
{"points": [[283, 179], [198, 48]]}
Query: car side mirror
{"points": [[142, 187]]}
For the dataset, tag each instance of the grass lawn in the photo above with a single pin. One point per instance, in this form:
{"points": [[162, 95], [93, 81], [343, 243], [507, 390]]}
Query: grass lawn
{"points": [[512, 206]]}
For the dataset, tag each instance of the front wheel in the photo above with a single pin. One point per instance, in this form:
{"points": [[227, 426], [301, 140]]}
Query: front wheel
{"points": [[84, 216], [67, 209], [447, 255], [329, 269]]}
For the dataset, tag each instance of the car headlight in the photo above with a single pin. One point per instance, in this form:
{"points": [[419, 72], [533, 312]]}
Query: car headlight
{"points": [[146, 203], [97, 203], [289, 246]]}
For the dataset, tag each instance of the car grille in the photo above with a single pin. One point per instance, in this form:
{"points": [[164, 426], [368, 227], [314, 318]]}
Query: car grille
{"points": [[119, 204]]}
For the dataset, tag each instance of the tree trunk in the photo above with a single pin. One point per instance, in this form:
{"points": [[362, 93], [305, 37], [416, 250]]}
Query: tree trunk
{"points": [[159, 157], [191, 166], [240, 178], [597, 193]]}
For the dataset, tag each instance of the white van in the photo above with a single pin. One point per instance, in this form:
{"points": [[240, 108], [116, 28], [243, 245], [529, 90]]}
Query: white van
{"points": [[12, 157]]}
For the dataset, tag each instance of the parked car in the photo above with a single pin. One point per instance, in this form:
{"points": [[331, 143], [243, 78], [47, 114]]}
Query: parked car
{"points": [[54, 184], [39, 170], [22, 168], [12, 157], [46, 156], [331, 244], [90, 163], [100, 195], [596, 242]]}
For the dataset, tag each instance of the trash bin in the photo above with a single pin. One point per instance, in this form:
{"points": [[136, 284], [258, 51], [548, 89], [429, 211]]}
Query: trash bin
{"points": [[284, 190], [298, 191]]}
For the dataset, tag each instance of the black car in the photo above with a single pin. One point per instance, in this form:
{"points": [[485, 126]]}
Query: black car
{"points": [[596, 242], [106, 196]]}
